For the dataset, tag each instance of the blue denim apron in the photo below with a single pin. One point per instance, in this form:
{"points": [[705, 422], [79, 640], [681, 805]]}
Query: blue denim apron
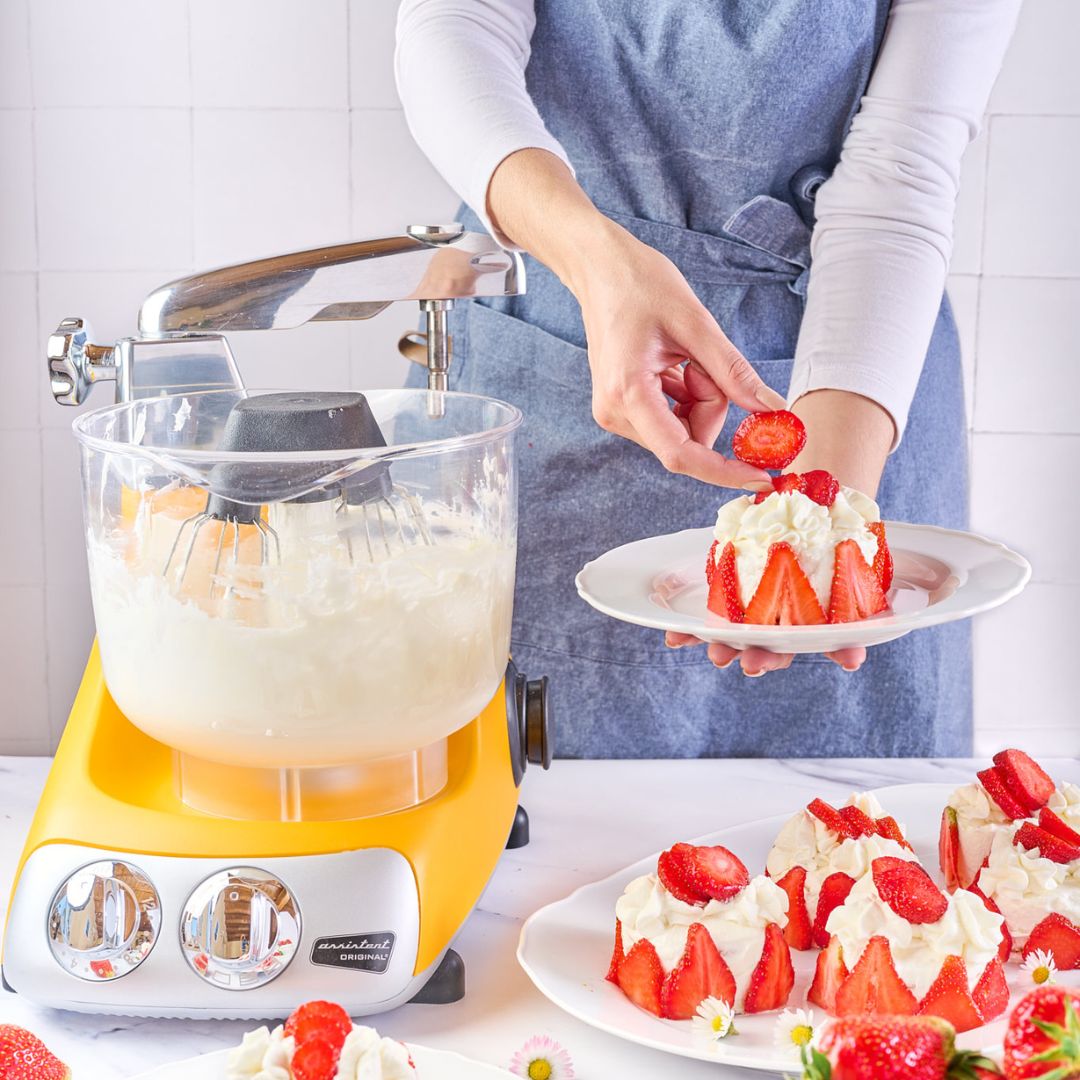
{"points": [[704, 127]]}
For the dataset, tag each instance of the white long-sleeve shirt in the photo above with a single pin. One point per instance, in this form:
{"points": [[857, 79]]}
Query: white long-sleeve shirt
{"points": [[883, 234]]}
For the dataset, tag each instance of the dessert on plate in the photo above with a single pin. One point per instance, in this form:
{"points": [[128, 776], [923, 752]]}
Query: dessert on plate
{"points": [[701, 927], [819, 855], [808, 552]]}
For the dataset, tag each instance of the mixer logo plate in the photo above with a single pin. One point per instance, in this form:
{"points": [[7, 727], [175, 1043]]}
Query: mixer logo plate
{"points": [[370, 951]]}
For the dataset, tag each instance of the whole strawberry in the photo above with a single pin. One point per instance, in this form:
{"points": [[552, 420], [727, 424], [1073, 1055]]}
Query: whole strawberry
{"points": [[1043, 1037], [24, 1056], [892, 1048]]}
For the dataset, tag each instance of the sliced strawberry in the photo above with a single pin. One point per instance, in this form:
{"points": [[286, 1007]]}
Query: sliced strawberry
{"points": [[993, 779], [883, 561], [724, 588], [1028, 783], [23, 1056], [710, 562], [834, 891], [674, 868], [856, 592], [859, 823], [1050, 846], [991, 993], [617, 956], [949, 848], [325, 1019], [1056, 826], [716, 873], [315, 1059], [788, 482], [798, 933], [1005, 948], [769, 440], [908, 889], [821, 486], [950, 998], [874, 986], [829, 976], [701, 973], [773, 978], [1058, 936], [889, 828], [785, 596], [831, 818], [641, 976]]}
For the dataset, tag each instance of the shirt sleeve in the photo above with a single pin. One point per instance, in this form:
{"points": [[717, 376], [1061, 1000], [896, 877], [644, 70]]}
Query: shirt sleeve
{"points": [[883, 236], [460, 70]]}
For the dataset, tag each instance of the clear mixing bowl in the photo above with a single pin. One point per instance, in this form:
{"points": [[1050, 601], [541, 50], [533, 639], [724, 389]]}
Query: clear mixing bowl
{"points": [[299, 623]]}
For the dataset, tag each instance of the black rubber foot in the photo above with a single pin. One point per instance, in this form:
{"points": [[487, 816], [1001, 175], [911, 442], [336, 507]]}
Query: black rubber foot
{"points": [[519, 831], [5, 984], [447, 985]]}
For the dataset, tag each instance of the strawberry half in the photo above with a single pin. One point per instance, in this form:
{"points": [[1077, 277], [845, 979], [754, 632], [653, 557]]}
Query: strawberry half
{"points": [[829, 975], [769, 440], [710, 562], [1027, 782], [859, 823], [889, 828], [788, 482], [908, 889], [785, 596], [716, 873], [1006, 946], [798, 933], [949, 848], [325, 1019], [773, 978], [834, 891], [701, 973], [1050, 847], [1058, 936], [641, 976], [950, 998], [674, 869], [23, 1056], [315, 1059], [991, 993], [831, 818], [993, 779], [1043, 1036], [724, 588], [821, 486], [874, 986], [883, 560], [1056, 826], [617, 956], [856, 592]]}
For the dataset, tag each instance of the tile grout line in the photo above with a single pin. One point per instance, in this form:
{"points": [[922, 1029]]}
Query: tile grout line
{"points": [[350, 336], [191, 131]]}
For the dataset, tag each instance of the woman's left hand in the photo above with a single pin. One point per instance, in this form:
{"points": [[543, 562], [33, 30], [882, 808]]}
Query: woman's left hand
{"points": [[756, 662]]}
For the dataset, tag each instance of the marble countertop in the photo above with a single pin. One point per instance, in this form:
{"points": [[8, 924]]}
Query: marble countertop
{"points": [[589, 819]]}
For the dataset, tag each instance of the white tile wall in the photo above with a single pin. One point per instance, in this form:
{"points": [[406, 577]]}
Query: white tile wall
{"points": [[139, 141]]}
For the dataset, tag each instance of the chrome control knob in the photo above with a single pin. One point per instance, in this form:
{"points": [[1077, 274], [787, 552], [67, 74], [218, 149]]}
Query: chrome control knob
{"points": [[104, 920], [240, 928]]}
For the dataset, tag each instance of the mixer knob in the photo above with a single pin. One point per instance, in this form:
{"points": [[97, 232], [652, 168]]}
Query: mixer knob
{"points": [[240, 928], [104, 920]]}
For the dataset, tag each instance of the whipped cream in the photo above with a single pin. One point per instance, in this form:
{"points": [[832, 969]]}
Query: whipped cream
{"points": [[812, 530], [1065, 802], [979, 819], [262, 1055], [267, 1055], [1028, 887], [737, 926], [807, 842], [968, 929]]}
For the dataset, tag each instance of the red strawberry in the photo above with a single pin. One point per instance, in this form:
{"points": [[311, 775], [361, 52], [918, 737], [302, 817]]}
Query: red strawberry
{"points": [[773, 978], [769, 440], [716, 873], [798, 933], [830, 818], [1005, 948], [993, 779], [821, 486], [701, 973], [674, 868], [710, 562], [785, 596], [949, 848], [641, 976], [950, 998], [760, 497], [724, 588], [991, 992], [889, 828], [883, 561], [617, 956], [319, 1018], [856, 592], [23, 1056], [1059, 936], [1050, 846], [834, 891], [315, 1059], [829, 975], [1029, 784], [788, 482], [859, 823], [874, 986], [1054, 825], [908, 889], [1043, 1036]]}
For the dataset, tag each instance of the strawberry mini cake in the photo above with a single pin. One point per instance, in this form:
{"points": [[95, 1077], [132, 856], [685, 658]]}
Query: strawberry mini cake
{"points": [[821, 853], [898, 945], [810, 551], [701, 927]]}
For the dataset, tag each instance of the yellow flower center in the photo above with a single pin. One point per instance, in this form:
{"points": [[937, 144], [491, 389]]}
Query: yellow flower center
{"points": [[718, 1023], [540, 1069], [1040, 975], [801, 1034]]}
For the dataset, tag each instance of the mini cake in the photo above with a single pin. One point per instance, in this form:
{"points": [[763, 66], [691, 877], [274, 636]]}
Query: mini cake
{"points": [[701, 927], [819, 855], [898, 945]]}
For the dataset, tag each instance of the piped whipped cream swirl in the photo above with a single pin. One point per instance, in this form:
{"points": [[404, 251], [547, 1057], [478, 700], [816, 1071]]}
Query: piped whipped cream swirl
{"points": [[365, 1055]]}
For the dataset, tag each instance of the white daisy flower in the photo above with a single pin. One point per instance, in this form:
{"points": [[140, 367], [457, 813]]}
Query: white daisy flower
{"points": [[542, 1058], [1040, 966], [794, 1029], [715, 1020]]}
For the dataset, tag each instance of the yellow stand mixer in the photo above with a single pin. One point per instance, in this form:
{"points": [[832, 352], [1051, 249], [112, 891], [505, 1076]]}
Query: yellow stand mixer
{"points": [[296, 753]]}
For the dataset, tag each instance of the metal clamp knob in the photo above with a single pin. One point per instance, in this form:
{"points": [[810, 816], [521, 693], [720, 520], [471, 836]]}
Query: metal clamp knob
{"points": [[240, 928], [75, 364], [104, 920]]}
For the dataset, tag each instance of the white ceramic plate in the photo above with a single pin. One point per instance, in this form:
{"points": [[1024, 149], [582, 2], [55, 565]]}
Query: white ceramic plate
{"points": [[565, 948], [941, 575], [430, 1065]]}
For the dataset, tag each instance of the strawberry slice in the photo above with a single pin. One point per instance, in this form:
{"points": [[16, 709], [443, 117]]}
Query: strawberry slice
{"points": [[324, 1019], [799, 933], [950, 998], [23, 1056], [834, 891], [859, 823], [785, 596], [617, 956], [641, 976], [889, 828], [769, 440], [1056, 826], [821, 486], [716, 873], [315, 1059], [856, 592], [675, 868], [773, 978], [883, 561], [949, 848], [701, 973], [724, 588], [1027, 782], [1006, 946], [829, 976], [874, 986], [1050, 846], [710, 562], [993, 779], [831, 818], [991, 993], [908, 889], [1059, 936], [788, 482]]}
